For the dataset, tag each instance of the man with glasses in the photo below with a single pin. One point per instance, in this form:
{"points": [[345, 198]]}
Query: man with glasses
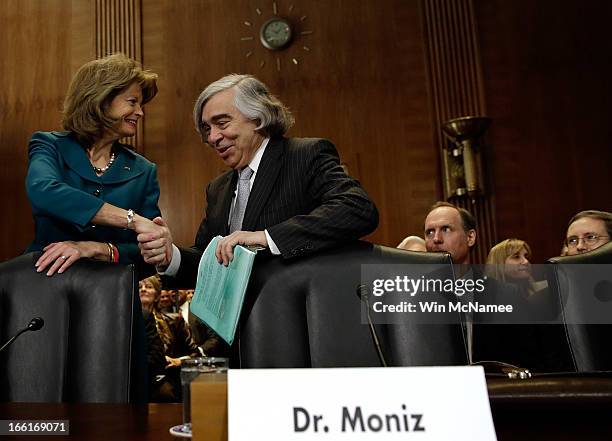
{"points": [[587, 231]]}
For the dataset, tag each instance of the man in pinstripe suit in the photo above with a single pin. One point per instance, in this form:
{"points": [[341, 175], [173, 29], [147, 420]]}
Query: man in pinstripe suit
{"points": [[300, 199]]}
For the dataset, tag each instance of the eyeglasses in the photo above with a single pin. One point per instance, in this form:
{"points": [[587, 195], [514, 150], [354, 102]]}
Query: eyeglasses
{"points": [[590, 239]]}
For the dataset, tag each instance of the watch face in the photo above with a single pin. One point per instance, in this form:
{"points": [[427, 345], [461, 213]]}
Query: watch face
{"points": [[275, 33]]}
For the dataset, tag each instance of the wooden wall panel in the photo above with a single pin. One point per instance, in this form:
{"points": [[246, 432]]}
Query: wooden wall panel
{"points": [[361, 83], [36, 50], [547, 70], [455, 78]]}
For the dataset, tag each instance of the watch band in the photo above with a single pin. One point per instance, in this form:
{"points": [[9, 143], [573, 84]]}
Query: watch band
{"points": [[130, 219]]}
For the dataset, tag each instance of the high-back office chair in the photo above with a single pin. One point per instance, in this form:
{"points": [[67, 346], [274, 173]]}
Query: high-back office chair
{"points": [[306, 313], [584, 288], [87, 350]]}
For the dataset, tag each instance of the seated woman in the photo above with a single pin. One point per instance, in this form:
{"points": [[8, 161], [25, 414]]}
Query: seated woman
{"points": [[526, 341], [508, 261], [89, 193], [175, 335]]}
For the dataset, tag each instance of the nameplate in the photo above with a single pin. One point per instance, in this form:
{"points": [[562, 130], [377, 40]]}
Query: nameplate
{"points": [[420, 403]]}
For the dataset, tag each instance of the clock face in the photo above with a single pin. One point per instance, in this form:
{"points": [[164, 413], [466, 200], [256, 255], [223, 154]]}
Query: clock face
{"points": [[275, 33]]}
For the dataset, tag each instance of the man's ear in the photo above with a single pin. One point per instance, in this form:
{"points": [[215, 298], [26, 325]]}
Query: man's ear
{"points": [[471, 235]]}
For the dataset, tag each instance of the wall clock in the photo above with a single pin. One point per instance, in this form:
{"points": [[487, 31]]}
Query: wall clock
{"points": [[283, 35], [275, 34]]}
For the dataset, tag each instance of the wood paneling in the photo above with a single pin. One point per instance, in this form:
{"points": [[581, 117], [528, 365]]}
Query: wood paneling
{"points": [[547, 69], [36, 50], [362, 84], [455, 78]]}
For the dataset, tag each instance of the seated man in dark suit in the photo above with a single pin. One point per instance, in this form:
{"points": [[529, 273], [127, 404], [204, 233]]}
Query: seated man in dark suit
{"points": [[451, 229], [289, 195]]}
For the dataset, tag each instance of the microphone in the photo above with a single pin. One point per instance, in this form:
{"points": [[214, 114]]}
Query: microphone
{"points": [[35, 324], [364, 295]]}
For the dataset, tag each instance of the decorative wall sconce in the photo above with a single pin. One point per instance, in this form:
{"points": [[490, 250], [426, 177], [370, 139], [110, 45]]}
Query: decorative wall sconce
{"points": [[461, 160]]}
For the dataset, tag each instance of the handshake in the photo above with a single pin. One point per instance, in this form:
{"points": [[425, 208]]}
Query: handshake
{"points": [[156, 245], [155, 241]]}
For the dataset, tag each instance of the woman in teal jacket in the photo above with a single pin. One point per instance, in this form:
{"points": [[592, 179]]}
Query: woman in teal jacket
{"points": [[90, 194]]}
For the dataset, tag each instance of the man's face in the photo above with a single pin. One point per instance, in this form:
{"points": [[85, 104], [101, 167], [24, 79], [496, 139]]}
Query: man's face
{"points": [[229, 132], [586, 234], [165, 299], [444, 232]]}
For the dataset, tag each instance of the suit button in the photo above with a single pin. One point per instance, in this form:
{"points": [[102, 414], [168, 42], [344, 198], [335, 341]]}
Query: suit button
{"points": [[96, 192]]}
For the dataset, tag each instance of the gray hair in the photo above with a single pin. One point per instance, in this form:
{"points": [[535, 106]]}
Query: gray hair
{"points": [[252, 99]]}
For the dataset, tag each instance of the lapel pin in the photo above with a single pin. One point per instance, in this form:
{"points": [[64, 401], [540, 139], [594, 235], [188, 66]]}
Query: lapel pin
{"points": [[126, 168]]}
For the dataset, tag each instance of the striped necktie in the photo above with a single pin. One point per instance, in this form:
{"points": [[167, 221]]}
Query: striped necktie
{"points": [[242, 198]]}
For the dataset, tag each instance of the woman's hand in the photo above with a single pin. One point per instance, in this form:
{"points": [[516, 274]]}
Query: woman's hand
{"points": [[173, 362], [59, 256]]}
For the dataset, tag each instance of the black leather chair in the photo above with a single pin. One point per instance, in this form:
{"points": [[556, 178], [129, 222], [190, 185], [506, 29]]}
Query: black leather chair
{"points": [[305, 313], [583, 284], [91, 348]]}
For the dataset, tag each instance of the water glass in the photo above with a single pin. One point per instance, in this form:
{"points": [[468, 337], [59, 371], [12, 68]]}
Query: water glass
{"points": [[190, 370]]}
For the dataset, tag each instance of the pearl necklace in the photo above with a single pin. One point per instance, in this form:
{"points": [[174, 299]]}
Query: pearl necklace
{"points": [[99, 170]]}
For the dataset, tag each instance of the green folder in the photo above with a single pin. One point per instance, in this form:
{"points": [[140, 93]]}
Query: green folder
{"points": [[220, 289]]}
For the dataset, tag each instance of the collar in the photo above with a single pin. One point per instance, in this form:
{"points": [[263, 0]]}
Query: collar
{"points": [[254, 164]]}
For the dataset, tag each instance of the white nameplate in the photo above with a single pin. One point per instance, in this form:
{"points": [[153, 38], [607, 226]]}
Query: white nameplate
{"points": [[419, 403]]}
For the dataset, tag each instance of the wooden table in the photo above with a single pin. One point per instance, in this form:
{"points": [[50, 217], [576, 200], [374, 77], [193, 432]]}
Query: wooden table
{"points": [[555, 408], [104, 422]]}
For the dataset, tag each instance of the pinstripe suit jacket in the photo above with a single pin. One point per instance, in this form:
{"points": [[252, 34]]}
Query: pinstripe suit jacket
{"points": [[301, 195]]}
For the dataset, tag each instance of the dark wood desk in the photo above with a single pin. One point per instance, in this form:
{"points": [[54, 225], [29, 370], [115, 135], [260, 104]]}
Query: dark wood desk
{"points": [[555, 408], [104, 422], [552, 408]]}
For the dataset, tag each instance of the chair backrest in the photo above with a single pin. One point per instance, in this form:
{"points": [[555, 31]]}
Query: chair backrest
{"points": [[584, 286], [305, 313], [89, 349]]}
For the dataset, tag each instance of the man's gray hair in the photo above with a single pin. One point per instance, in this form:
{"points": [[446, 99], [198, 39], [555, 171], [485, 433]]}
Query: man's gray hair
{"points": [[252, 99]]}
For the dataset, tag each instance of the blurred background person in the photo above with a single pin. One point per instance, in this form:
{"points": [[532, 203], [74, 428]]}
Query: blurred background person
{"points": [[165, 302], [530, 338], [508, 261], [183, 303], [413, 243], [588, 230], [90, 193], [156, 360], [176, 338]]}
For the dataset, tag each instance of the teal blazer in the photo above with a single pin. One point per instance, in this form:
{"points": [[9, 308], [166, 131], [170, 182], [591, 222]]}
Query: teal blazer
{"points": [[65, 193]]}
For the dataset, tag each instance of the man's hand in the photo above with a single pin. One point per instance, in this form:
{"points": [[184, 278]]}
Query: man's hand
{"points": [[225, 247], [155, 242]]}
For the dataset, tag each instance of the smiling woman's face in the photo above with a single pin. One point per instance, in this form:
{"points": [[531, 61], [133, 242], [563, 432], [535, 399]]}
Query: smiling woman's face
{"points": [[517, 265], [147, 293], [127, 109]]}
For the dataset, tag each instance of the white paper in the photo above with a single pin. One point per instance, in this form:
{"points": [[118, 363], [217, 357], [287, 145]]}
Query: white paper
{"points": [[424, 403]]}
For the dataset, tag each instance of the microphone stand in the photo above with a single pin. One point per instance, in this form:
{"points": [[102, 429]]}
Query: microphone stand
{"points": [[34, 325], [363, 294]]}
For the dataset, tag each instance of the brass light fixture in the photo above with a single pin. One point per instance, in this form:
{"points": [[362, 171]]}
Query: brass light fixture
{"points": [[461, 160]]}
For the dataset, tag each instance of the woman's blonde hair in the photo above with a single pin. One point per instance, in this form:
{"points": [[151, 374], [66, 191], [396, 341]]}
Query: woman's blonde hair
{"points": [[93, 88], [498, 255], [155, 282]]}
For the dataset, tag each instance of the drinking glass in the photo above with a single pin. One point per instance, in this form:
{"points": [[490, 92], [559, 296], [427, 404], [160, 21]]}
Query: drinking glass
{"points": [[190, 370]]}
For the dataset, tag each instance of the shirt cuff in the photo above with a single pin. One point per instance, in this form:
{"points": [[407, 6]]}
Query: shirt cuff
{"points": [[271, 245], [175, 263]]}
